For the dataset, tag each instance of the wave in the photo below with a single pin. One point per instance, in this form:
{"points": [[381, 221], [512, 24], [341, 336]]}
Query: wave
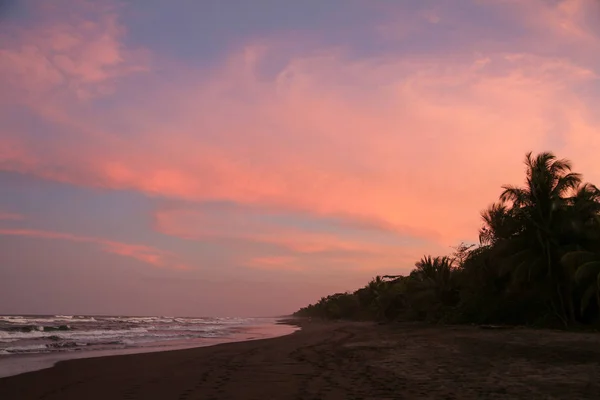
{"points": [[45, 320], [18, 319], [139, 320], [82, 345], [32, 328], [58, 335], [22, 328], [66, 333], [15, 320], [180, 320], [187, 328], [34, 348], [213, 320]]}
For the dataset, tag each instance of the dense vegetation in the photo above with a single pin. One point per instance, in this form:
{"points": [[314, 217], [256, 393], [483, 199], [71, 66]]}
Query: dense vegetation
{"points": [[537, 263]]}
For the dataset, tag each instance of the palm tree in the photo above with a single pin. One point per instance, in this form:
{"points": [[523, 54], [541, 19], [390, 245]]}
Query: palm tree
{"points": [[586, 202], [436, 270], [583, 258], [586, 265], [391, 299], [584, 215], [498, 223], [369, 294], [549, 182], [433, 279], [541, 208]]}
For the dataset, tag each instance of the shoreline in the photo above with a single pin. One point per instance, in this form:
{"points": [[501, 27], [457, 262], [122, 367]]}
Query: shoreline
{"points": [[339, 360], [17, 364]]}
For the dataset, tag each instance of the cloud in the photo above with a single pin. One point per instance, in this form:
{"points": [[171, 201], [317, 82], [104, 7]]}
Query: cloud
{"points": [[8, 216], [271, 239], [302, 232], [78, 54], [145, 254], [569, 20], [274, 263], [406, 139]]}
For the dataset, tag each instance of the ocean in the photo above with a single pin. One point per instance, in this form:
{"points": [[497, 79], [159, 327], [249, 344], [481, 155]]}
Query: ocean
{"points": [[29, 343]]}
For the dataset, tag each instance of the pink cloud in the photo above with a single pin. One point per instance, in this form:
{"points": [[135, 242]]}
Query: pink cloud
{"points": [[11, 216], [242, 224], [410, 141], [274, 263], [346, 267], [349, 249], [145, 254], [566, 19], [66, 54]]}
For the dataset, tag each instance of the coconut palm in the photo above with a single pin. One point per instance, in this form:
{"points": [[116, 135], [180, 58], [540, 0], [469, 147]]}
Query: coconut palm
{"points": [[549, 184], [433, 279], [391, 301], [542, 208], [586, 203], [436, 270], [584, 216], [498, 224], [586, 265], [368, 296]]}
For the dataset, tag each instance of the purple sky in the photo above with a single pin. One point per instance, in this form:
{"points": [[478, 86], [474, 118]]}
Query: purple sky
{"points": [[225, 157]]}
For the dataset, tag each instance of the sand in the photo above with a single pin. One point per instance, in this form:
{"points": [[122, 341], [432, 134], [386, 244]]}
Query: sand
{"points": [[339, 361]]}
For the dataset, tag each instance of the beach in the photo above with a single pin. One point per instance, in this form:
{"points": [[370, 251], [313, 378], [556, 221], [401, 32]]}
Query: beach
{"points": [[339, 360]]}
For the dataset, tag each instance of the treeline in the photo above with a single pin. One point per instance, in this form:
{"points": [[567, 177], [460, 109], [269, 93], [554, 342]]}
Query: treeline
{"points": [[537, 263]]}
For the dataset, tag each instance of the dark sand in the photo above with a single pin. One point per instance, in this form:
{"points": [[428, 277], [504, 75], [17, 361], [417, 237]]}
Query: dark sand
{"points": [[339, 361]]}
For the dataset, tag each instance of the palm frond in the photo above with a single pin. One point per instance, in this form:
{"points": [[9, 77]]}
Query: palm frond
{"points": [[586, 298], [586, 272], [564, 184], [514, 194], [559, 166], [574, 259]]}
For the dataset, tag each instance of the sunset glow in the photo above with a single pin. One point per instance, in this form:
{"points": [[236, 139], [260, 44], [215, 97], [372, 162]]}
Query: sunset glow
{"points": [[202, 157]]}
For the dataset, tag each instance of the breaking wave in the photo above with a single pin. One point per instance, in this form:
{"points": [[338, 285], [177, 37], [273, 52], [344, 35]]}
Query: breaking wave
{"points": [[58, 333]]}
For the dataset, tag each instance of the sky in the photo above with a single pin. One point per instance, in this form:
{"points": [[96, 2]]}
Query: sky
{"points": [[245, 158]]}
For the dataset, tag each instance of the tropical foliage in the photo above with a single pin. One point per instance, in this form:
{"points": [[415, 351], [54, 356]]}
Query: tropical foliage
{"points": [[537, 262]]}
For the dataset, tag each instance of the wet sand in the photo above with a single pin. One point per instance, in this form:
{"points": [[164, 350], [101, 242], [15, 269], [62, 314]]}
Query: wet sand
{"points": [[17, 364], [339, 361]]}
